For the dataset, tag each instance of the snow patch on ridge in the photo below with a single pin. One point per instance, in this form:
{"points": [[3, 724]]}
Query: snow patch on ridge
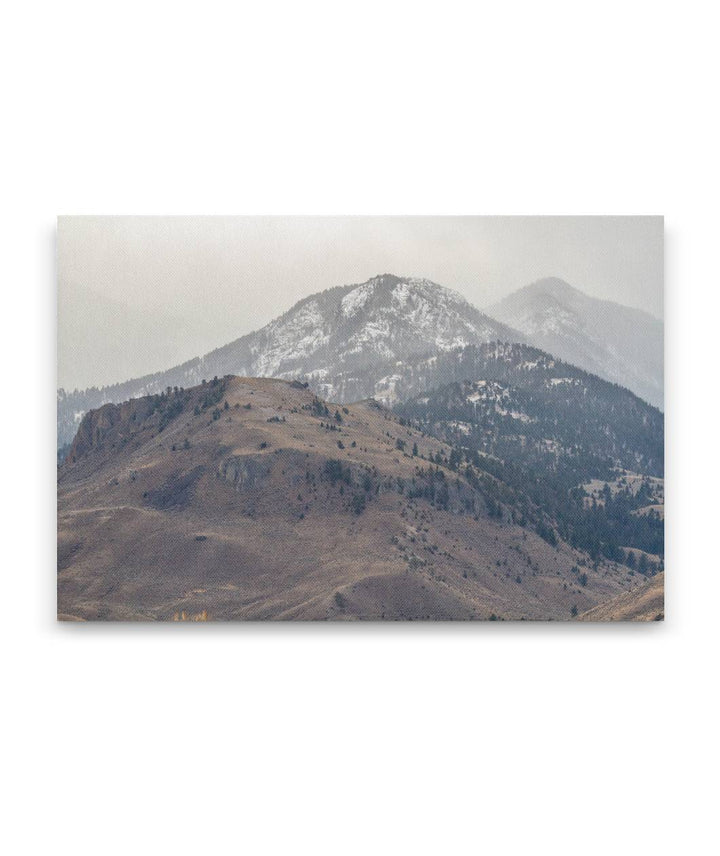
{"points": [[299, 336], [357, 298]]}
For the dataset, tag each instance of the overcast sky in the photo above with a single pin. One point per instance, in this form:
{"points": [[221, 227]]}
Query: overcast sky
{"points": [[139, 294]]}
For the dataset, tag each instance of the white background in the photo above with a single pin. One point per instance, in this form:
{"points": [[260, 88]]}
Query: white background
{"points": [[359, 739]]}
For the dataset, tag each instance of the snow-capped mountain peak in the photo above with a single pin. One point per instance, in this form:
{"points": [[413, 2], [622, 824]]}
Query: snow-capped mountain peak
{"points": [[616, 342], [343, 332], [387, 316]]}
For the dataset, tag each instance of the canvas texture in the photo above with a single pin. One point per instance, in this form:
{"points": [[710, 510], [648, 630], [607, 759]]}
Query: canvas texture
{"points": [[256, 421]]}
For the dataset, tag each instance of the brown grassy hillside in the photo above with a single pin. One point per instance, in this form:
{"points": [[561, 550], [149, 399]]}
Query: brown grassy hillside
{"points": [[645, 603], [252, 499]]}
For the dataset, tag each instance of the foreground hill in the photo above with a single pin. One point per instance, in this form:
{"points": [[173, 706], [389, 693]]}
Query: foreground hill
{"points": [[646, 603], [342, 331], [254, 499], [617, 343]]}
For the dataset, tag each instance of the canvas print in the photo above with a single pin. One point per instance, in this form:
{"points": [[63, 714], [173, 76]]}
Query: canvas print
{"points": [[360, 418]]}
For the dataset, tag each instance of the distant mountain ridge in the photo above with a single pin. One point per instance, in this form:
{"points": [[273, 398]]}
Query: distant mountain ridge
{"points": [[615, 342], [379, 339]]}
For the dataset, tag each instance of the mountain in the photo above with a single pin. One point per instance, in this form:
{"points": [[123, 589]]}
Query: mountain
{"points": [[518, 402], [345, 331], [617, 343], [567, 446], [253, 499], [389, 339]]}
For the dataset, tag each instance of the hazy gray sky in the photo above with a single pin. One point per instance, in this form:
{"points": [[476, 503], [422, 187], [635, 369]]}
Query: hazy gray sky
{"points": [[138, 294]]}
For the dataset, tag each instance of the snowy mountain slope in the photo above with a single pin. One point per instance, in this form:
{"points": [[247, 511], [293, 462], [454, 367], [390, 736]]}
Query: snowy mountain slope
{"points": [[357, 325], [344, 331], [617, 343]]}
